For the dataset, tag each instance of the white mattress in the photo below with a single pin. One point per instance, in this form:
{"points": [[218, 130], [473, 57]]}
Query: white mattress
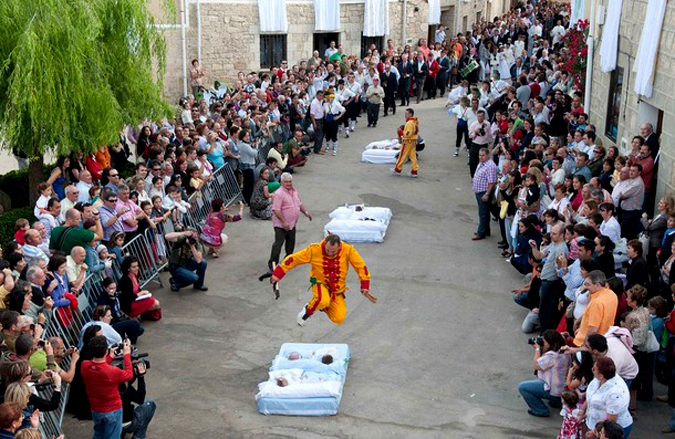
{"points": [[357, 223], [381, 152], [312, 399]]}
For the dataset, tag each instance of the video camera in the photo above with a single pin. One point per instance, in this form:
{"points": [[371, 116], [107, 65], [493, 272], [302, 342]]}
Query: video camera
{"points": [[136, 358]]}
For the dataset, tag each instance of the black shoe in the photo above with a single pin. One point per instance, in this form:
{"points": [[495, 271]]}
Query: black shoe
{"points": [[503, 246], [173, 285], [502, 242], [202, 288]]}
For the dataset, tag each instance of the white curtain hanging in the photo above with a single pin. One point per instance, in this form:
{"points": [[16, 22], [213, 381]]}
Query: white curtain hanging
{"points": [[577, 11], [326, 15], [434, 12], [649, 46], [272, 16], [376, 18], [610, 36]]}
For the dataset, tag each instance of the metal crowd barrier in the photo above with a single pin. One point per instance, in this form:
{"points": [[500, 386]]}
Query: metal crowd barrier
{"points": [[152, 250]]}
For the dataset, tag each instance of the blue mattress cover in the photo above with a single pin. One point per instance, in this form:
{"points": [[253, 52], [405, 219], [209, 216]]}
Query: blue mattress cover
{"points": [[324, 406]]}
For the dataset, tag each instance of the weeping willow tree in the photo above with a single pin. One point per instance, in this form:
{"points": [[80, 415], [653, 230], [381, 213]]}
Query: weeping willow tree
{"points": [[73, 73]]}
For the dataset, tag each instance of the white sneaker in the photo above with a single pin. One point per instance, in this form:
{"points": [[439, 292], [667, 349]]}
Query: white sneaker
{"points": [[393, 171], [334, 153], [411, 175], [347, 133], [300, 316]]}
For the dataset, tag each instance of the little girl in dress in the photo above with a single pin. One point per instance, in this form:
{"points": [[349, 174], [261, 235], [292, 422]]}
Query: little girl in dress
{"points": [[571, 427]]}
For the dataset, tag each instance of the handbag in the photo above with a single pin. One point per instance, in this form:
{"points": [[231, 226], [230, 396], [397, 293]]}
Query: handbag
{"points": [[652, 344]]}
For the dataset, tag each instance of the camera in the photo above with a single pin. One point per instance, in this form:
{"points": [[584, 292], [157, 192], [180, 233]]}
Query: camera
{"points": [[136, 358], [191, 240], [481, 132], [536, 340]]}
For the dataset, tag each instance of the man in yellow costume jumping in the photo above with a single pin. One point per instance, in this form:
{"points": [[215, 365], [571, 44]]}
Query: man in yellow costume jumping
{"points": [[329, 259], [408, 144]]}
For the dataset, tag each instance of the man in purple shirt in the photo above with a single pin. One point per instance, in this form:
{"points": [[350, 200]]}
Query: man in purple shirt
{"points": [[484, 180], [286, 208]]}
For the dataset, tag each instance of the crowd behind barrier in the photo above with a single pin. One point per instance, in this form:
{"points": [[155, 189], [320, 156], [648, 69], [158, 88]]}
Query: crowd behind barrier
{"points": [[149, 248]]}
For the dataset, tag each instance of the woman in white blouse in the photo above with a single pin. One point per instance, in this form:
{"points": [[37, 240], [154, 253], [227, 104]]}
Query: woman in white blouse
{"points": [[607, 398]]}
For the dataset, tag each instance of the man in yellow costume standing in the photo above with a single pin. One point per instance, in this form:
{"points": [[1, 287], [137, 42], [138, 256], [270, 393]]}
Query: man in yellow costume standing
{"points": [[330, 261], [408, 144]]}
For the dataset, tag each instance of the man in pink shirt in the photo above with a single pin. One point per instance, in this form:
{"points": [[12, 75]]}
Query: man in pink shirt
{"points": [[286, 208]]}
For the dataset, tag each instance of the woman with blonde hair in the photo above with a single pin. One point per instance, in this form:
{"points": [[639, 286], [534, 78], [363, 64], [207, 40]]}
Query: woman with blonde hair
{"points": [[19, 393]]}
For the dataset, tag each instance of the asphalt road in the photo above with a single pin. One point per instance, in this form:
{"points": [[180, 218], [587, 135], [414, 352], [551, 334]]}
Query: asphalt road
{"points": [[439, 356]]}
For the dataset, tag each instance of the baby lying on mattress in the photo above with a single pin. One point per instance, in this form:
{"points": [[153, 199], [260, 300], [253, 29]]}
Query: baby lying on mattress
{"points": [[299, 383]]}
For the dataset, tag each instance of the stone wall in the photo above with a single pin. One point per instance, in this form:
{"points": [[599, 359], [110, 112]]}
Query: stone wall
{"points": [[632, 19]]}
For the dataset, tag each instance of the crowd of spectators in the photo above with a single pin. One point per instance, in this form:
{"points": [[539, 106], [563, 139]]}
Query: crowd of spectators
{"points": [[575, 217]]}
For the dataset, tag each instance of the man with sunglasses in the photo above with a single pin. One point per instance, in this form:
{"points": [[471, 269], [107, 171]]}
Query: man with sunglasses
{"points": [[110, 214]]}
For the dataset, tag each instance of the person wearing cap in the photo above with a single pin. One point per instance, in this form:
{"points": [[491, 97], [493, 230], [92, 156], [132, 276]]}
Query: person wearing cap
{"points": [[374, 95], [316, 112], [333, 111]]}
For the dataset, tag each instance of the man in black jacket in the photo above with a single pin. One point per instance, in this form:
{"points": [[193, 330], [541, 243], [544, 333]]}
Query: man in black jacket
{"points": [[136, 419], [390, 84], [442, 78], [421, 70], [407, 71]]}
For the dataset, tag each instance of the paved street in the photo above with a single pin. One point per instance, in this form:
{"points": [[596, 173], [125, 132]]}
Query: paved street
{"points": [[439, 356]]}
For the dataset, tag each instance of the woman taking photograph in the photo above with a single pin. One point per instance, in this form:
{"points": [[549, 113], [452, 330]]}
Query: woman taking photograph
{"points": [[551, 367], [134, 301]]}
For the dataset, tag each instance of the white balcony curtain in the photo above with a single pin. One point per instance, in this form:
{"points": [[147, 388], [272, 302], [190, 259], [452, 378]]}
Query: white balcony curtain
{"points": [[376, 18], [577, 11], [610, 36], [273, 16], [649, 46], [434, 12], [327, 15]]}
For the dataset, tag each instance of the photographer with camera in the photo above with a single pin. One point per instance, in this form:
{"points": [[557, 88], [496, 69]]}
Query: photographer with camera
{"points": [[481, 136], [136, 418], [101, 381], [186, 264], [551, 367]]}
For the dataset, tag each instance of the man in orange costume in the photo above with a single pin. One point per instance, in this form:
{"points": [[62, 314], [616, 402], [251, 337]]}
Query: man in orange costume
{"points": [[329, 259], [408, 144]]}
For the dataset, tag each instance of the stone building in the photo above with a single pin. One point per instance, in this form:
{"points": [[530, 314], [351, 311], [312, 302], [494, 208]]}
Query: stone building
{"points": [[615, 109], [226, 35]]}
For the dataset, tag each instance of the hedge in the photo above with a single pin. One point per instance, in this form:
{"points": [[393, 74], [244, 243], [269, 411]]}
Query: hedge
{"points": [[7, 220]]}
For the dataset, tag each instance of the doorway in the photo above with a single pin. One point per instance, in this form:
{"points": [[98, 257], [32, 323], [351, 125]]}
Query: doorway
{"points": [[322, 41]]}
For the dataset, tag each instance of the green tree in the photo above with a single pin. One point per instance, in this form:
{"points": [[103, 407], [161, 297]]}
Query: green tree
{"points": [[73, 73]]}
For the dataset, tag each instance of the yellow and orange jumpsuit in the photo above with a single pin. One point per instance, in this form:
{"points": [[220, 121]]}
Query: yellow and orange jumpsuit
{"points": [[408, 146], [328, 277]]}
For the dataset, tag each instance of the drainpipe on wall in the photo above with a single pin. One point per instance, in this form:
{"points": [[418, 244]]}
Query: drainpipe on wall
{"points": [[199, 34], [457, 6], [589, 62], [405, 21], [183, 5]]}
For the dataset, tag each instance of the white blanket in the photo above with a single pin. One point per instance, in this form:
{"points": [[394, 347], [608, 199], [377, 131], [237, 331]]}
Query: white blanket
{"points": [[381, 152]]}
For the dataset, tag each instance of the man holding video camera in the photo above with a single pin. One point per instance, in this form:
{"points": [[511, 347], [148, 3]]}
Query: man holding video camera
{"points": [[187, 264], [136, 418], [101, 381]]}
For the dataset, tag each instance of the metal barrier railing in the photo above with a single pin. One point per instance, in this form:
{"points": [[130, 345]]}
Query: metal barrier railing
{"points": [[152, 250]]}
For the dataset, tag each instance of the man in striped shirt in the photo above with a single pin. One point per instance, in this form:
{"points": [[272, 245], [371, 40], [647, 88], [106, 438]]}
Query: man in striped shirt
{"points": [[484, 180]]}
